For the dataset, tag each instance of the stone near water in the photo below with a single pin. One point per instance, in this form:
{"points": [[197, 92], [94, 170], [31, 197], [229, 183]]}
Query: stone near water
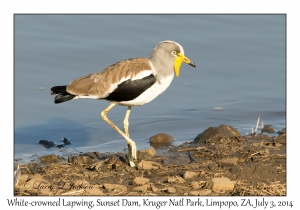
{"points": [[49, 158], [216, 134], [148, 165], [161, 139], [268, 129], [80, 160]]}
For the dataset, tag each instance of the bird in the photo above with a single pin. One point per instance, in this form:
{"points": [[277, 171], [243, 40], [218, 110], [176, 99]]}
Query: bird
{"points": [[131, 82]]}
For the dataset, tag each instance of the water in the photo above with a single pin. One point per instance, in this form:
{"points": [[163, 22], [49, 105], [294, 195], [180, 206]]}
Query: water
{"points": [[241, 67]]}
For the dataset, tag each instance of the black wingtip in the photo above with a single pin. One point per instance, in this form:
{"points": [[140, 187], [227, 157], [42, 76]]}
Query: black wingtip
{"points": [[63, 98]]}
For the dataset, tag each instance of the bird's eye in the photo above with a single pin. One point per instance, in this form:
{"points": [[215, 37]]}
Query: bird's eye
{"points": [[173, 53]]}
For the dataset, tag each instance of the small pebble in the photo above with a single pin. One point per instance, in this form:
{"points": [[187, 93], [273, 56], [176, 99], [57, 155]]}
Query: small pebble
{"points": [[171, 190]]}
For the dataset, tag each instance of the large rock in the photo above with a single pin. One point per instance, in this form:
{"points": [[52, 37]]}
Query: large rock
{"points": [[148, 165], [161, 139], [221, 184], [219, 134], [268, 129], [81, 160], [49, 158]]}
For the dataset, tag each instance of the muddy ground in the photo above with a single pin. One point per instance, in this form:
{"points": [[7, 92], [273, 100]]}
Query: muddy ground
{"points": [[219, 161]]}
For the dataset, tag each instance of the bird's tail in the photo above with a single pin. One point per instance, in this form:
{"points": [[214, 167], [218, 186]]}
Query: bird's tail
{"points": [[62, 96]]}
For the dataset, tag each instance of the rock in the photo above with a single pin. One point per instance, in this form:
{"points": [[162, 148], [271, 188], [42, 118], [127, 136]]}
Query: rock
{"points": [[49, 158], [150, 151], [194, 192], [171, 190], [221, 184], [96, 166], [47, 143], [148, 165], [176, 179], [212, 166], [114, 161], [189, 174], [93, 154], [268, 129], [142, 188], [230, 161], [281, 139], [205, 192], [218, 135], [283, 131], [195, 185], [115, 186], [161, 139], [264, 152], [66, 141], [263, 137], [80, 160], [198, 184], [154, 189], [200, 192], [140, 180]]}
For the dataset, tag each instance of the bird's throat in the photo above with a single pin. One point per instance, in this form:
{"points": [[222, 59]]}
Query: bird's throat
{"points": [[177, 63]]}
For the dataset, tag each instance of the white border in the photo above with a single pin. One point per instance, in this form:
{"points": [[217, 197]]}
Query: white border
{"points": [[8, 8]]}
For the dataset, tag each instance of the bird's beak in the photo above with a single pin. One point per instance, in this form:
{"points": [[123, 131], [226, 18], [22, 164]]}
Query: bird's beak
{"points": [[178, 60]]}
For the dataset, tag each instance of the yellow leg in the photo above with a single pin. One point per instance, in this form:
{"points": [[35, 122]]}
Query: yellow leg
{"points": [[126, 122], [131, 143]]}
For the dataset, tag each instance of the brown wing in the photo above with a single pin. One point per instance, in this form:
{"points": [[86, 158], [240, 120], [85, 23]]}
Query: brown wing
{"points": [[102, 83]]}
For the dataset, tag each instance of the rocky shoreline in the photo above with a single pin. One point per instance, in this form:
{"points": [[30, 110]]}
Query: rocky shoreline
{"points": [[219, 161]]}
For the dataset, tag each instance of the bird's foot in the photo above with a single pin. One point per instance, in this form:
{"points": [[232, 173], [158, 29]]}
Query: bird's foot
{"points": [[131, 164]]}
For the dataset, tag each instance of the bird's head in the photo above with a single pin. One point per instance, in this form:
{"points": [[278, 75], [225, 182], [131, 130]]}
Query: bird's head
{"points": [[175, 51]]}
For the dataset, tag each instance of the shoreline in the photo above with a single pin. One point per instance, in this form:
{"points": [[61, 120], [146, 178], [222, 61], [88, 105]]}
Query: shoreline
{"points": [[218, 162]]}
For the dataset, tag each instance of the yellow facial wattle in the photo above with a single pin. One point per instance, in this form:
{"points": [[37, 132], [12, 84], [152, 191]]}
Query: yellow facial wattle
{"points": [[177, 64], [178, 61]]}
